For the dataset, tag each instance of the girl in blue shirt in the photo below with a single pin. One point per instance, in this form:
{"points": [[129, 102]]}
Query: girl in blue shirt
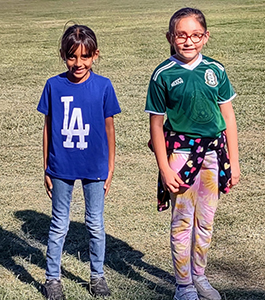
{"points": [[78, 143]]}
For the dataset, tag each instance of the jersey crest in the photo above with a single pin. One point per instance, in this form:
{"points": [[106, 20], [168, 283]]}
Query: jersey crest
{"points": [[199, 108], [210, 78]]}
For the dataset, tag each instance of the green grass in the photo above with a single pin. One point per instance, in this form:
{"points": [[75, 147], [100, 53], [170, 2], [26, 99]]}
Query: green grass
{"points": [[132, 41]]}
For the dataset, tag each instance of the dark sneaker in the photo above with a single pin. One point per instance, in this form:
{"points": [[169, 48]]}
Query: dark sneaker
{"points": [[186, 292], [53, 290], [204, 289], [99, 287]]}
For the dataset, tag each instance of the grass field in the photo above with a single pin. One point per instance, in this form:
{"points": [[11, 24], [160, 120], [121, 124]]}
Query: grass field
{"points": [[132, 41]]}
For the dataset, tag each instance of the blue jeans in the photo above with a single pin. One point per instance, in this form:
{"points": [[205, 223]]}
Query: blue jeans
{"points": [[94, 208]]}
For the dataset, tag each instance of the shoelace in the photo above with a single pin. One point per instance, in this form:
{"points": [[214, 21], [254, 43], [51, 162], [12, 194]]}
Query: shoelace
{"points": [[100, 285], [56, 289], [205, 284]]}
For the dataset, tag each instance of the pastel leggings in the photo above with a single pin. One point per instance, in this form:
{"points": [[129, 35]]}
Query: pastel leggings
{"points": [[192, 218]]}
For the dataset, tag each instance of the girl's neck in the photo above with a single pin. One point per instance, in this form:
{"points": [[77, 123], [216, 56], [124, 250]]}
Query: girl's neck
{"points": [[77, 80], [186, 65]]}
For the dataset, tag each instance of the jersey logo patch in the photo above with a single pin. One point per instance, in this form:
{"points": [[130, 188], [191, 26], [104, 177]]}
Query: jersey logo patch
{"points": [[177, 82], [210, 78], [76, 119]]}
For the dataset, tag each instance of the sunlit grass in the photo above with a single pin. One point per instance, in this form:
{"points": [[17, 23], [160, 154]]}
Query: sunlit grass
{"points": [[132, 42]]}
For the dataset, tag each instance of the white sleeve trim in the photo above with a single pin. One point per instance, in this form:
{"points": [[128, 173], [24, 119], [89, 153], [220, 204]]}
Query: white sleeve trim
{"points": [[223, 102], [154, 112]]}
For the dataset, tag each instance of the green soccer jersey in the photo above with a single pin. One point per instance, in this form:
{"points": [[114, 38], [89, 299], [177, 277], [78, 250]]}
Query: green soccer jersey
{"points": [[190, 96]]}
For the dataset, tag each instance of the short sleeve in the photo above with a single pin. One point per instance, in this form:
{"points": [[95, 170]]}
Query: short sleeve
{"points": [[111, 105], [156, 98], [44, 103], [226, 91]]}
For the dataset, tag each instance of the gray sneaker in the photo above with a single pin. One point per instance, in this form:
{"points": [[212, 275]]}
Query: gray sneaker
{"points": [[204, 289], [99, 287], [53, 290], [187, 292]]}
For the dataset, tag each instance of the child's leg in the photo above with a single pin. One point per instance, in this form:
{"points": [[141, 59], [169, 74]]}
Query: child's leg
{"points": [[94, 199], [183, 206], [61, 198], [206, 205]]}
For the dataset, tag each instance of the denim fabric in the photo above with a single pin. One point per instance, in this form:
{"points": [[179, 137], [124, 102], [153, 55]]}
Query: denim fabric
{"points": [[94, 208]]}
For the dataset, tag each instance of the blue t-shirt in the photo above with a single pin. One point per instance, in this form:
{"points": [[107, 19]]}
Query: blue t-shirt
{"points": [[78, 148]]}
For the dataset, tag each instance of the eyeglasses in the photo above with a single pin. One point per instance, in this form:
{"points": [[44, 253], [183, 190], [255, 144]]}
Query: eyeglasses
{"points": [[181, 38]]}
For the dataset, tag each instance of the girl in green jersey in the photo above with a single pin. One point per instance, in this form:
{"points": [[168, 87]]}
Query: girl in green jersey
{"points": [[195, 94]]}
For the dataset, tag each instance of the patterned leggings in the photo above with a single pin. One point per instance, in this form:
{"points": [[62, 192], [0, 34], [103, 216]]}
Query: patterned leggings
{"points": [[192, 218]]}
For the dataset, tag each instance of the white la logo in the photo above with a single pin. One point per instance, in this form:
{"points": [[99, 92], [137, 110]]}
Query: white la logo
{"points": [[71, 131]]}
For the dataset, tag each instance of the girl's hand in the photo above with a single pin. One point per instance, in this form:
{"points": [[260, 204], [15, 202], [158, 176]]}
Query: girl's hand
{"points": [[48, 185], [108, 183], [171, 180], [235, 174]]}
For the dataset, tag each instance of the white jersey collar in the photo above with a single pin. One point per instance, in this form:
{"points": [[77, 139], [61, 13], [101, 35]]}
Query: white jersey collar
{"points": [[186, 66]]}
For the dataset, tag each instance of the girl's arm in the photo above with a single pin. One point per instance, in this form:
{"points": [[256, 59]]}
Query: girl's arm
{"points": [[228, 114], [46, 139], [110, 130], [169, 177]]}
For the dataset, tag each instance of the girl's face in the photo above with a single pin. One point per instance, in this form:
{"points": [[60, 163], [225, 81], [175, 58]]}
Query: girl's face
{"points": [[79, 64], [189, 39]]}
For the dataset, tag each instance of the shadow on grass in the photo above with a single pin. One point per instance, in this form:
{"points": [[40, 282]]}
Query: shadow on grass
{"points": [[16, 252], [13, 246], [242, 295], [120, 256], [242, 272]]}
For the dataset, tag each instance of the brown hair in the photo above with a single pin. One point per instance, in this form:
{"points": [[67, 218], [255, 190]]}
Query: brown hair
{"points": [[77, 35], [182, 13]]}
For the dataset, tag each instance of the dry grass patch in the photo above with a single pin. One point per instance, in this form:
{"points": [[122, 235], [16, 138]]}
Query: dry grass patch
{"points": [[132, 42]]}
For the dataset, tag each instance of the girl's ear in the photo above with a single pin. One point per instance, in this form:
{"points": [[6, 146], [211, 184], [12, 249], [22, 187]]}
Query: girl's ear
{"points": [[96, 55], [169, 38], [206, 37]]}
